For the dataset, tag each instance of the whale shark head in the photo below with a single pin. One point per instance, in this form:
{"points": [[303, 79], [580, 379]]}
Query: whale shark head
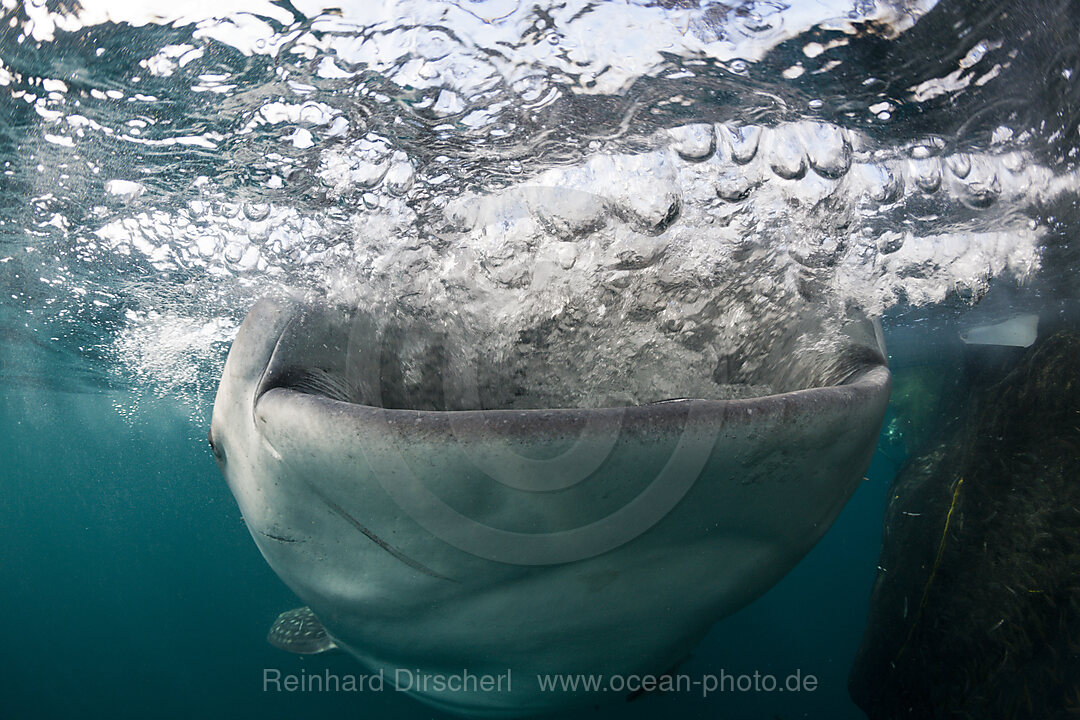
{"points": [[435, 514]]}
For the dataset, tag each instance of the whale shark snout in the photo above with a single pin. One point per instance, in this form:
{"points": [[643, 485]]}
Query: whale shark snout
{"points": [[433, 518]]}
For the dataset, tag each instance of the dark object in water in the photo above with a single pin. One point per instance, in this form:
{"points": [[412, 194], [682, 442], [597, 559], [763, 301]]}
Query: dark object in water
{"points": [[976, 609]]}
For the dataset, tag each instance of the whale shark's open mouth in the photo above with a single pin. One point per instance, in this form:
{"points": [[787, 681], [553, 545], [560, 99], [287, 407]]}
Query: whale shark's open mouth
{"points": [[423, 361]]}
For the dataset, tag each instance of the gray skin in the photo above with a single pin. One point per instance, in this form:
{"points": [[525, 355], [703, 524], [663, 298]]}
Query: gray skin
{"points": [[540, 541]]}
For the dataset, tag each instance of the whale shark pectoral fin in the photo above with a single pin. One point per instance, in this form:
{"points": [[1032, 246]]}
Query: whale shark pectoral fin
{"points": [[300, 632]]}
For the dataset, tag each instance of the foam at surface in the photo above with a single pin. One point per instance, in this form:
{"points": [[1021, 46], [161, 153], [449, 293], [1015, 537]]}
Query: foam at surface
{"points": [[582, 215]]}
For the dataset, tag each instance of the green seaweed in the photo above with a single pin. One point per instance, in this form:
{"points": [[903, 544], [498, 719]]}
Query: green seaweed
{"points": [[977, 611]]}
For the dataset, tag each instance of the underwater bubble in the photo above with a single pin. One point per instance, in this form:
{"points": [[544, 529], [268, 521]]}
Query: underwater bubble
{"points": [[208, 246], [655, 215], [927, 174], [565, 212], [982, 190], [787, 158], [234, 251], [256, 211], [257, 232], [1014, 162], [883, 184], [742, 140], [828, 149], [694, 142], [959, 164], [399, 176], [733, 188], [926, 148], [363, 165]]}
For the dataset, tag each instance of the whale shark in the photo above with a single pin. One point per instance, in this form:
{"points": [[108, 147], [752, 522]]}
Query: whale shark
{"points": [[425, 530]]}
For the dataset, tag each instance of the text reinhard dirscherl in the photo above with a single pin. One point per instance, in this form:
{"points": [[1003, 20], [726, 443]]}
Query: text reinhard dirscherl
{"points": [[405, 680]]}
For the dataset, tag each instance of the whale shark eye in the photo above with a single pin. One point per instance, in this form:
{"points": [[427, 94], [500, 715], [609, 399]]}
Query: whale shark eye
{"points": [[219, 452]]}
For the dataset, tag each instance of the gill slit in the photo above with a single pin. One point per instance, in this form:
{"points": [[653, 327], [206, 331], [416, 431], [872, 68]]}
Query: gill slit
{"points": [[343, 514]]}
